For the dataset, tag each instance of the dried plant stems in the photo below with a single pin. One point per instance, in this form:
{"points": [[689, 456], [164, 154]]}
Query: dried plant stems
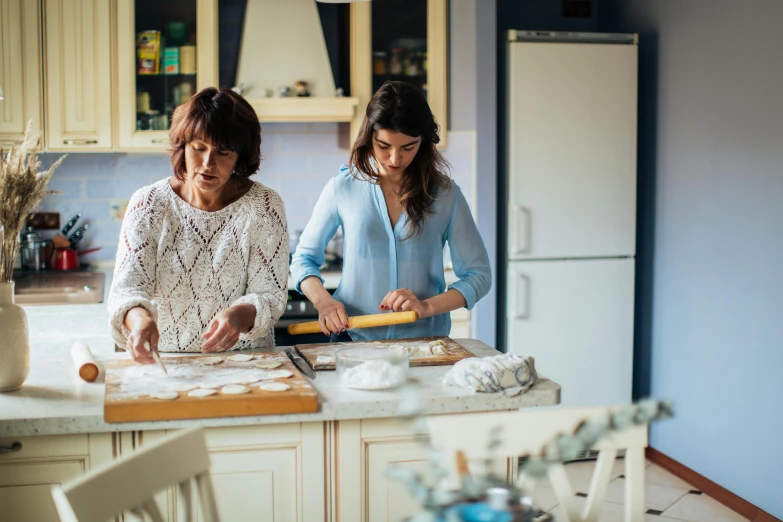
{"points": [[22, 188]]}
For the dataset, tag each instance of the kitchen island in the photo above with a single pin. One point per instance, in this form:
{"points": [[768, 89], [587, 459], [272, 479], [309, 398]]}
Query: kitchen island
{"points": [[328, 465]]}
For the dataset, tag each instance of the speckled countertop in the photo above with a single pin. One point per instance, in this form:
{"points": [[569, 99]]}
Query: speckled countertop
{"points": [[54, 400]]}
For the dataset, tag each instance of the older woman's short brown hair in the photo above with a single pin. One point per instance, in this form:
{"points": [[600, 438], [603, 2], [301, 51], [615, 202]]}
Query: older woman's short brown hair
{"points": [[222, 118]]}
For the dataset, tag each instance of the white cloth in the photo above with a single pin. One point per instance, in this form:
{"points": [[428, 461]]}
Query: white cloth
{"points": [[184, 265], [511, 373]]}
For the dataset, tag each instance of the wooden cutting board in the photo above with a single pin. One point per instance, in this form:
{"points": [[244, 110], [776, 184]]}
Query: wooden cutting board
{"points": [[455, 352], [129, 384]]}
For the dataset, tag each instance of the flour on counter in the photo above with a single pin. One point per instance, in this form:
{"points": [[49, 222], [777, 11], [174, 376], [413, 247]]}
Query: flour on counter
{"points": [[376, 374]]}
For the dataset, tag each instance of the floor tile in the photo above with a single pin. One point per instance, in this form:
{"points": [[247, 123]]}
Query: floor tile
{"points": [[655, 497], [702, 508], [610, 512], [660, 477], [580, 474]]}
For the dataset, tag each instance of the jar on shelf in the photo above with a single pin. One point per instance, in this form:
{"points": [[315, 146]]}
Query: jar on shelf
{"points": [[395, 62], [411, 64], [379, 59]]}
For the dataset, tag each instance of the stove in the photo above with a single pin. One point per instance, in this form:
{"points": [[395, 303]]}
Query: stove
{"points": [[298, 310]]}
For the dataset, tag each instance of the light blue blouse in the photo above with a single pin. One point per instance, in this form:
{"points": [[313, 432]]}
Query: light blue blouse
{"points": [[377, 258]]}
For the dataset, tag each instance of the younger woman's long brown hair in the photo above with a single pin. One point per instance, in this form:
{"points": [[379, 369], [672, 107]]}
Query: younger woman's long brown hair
{"points": [[400, 107]]}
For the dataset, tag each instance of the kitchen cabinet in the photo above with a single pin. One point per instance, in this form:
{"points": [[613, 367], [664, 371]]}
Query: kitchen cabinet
{"points": [[78, 40], [362, 452], [27, 474], [460, 324], [20, 75], [272, 472], [403, 40], [181, 41]]}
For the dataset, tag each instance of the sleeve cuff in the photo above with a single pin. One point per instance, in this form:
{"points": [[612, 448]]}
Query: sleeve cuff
{"points": [[467, 292], [263, 321], [308, 273], [119, 331]]}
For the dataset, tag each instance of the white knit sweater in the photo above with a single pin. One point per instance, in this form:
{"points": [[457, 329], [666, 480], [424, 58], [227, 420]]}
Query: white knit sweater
{"points": [[184, 265]]}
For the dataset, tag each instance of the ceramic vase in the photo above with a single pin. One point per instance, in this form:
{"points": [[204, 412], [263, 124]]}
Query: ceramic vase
{"points": [[14, 341]]}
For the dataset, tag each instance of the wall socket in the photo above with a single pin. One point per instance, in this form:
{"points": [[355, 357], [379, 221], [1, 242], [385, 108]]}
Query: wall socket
{"points": [[44, 221]]}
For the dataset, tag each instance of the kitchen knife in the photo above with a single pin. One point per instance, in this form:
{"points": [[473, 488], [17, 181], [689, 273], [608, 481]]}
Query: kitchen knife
{"points": [[300, 363], [69, 225], [359, 321], [78, 235]]}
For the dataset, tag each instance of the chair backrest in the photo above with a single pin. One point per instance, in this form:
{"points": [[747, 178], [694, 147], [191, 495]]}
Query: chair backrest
{"points": [[527, 431], [130, 483]]}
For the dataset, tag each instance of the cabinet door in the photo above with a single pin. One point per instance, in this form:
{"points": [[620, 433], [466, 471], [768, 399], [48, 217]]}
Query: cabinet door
{"points": [[20, 74], [571, 150], [460, 324], [166, 52], [401, 40], [576, 319], [78, 75], [27, 475], [273, 472]]}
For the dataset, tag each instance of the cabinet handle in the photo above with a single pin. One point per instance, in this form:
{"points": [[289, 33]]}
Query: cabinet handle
{"points": [[13, 448], [520, 226], [521, 296], [161, 141], [80, 142]]}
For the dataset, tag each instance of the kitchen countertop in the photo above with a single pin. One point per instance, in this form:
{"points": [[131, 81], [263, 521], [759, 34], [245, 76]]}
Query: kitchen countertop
{"points": [[54, 400]]}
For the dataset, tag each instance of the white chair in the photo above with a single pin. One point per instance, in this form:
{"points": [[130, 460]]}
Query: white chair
{"points": [[529, 430], [130, 483]]}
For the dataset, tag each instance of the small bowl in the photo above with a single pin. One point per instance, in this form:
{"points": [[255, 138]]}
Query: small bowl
{"points": [[371, 368]]}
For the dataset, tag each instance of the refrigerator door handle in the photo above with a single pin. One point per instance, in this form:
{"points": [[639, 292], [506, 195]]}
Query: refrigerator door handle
{"points": [[520, 230], [520, 305]]}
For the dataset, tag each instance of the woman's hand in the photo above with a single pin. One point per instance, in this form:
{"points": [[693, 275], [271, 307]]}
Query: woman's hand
{"points": [[222, 331], [402, 299], [142, 339], [331, 315]]}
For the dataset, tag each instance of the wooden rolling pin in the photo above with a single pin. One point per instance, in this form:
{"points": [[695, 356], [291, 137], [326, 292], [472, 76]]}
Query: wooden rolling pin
{"points": [[84, 362], [359, 321]]}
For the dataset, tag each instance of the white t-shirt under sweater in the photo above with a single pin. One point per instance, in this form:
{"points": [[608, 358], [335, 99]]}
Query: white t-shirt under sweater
{"points": [[184, 265]]}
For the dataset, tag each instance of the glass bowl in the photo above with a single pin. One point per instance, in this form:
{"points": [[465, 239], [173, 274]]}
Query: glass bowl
{"points": [[371, 368]]}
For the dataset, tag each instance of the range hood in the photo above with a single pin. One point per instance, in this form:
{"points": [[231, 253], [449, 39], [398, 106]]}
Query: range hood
{"points": [[282, 43]]}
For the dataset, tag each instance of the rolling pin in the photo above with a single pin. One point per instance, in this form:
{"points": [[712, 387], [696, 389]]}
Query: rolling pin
{"points": [[84, 362], [359, 321]]}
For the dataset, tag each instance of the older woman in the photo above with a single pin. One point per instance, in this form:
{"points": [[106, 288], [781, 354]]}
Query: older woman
{"points": [[202, 263]]}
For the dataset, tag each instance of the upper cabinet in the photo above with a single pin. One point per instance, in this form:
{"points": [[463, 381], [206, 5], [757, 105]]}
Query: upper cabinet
{"points": [[20, 69], [78, 72], [166, 51], [402, 40]]}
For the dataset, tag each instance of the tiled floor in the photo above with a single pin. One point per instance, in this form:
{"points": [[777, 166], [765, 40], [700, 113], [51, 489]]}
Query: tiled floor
{"points": [[667, 498]]}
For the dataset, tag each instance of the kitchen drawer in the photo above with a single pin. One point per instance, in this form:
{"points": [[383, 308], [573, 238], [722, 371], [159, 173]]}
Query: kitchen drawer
{"points": [[44, 447]]}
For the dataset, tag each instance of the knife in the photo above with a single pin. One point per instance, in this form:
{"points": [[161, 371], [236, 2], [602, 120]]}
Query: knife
{"points": [[69, 225], [78, 235], [300, 363]]}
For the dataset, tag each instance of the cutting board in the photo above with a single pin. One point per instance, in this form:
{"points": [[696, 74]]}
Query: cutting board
{"points": [[454, 351], [129, 384]]}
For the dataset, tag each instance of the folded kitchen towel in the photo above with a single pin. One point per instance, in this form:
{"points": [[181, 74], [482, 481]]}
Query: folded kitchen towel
{"points": [[513, 374]]}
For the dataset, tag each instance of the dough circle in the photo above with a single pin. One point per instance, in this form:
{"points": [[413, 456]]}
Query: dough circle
{"points": [[280, 374], [241, 357], [164, 395], [202, 392], [274, 386], [235, 389], [209, 361], [268, 364]]}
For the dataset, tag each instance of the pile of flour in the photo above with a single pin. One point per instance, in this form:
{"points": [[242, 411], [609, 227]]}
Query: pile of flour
{"points": [[376, 374]]}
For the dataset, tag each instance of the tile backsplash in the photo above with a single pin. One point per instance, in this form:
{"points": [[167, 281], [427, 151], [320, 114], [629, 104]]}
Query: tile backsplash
{"points": [[298, 160]]}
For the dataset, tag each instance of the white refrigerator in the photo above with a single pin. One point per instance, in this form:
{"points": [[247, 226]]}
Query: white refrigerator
{"points": [[571, 151]]}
